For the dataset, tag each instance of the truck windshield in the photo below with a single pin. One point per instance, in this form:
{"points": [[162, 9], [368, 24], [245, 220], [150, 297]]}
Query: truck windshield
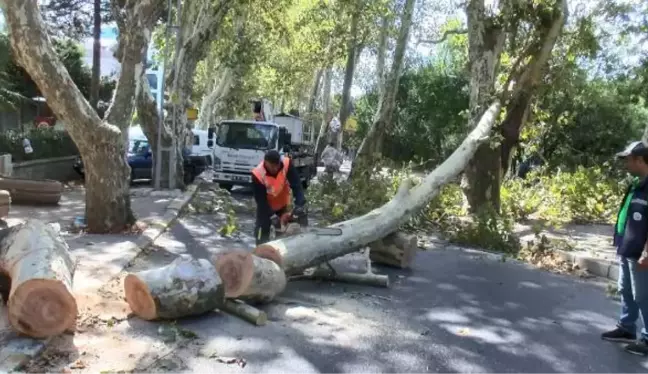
{"points": [[246, 135]]}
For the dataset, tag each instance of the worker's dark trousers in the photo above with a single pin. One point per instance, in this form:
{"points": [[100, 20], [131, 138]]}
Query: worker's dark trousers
{"points": [[262, 225]]}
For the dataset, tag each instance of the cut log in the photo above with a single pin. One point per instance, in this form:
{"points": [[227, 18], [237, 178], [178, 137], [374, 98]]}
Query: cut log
{"points": [[397, 249], [245, 312], [300, 252], [32, 191], [365, 279], [40, 266], [183, 288], [248, 277]]}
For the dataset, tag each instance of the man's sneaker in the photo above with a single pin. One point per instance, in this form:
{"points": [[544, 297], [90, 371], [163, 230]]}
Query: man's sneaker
{"points": [[639, 347], [619, 335]]}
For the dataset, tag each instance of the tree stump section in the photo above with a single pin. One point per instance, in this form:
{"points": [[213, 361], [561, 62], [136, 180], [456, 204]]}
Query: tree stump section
{"points": [[397, 249], [248, 277], [40, 267], [306, 250], [183, 288]]}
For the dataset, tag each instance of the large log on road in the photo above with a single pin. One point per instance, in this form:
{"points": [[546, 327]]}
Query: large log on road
{"points": [[297, 253], [183, 288], [39, 264]]}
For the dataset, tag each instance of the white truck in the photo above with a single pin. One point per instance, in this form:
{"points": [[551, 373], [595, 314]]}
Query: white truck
{"points": [[240, 145]]}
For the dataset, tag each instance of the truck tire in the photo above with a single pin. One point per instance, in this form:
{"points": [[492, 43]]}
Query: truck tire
{"points": [[226, 186], [5, 203], [28, 191]]}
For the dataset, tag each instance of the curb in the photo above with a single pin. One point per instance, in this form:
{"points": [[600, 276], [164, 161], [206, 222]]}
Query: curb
{"points": [[18, 351], [601, 268], [157, 227]]}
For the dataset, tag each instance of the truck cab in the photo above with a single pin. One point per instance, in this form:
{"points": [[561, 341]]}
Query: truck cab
{"points": [[240, 145]]}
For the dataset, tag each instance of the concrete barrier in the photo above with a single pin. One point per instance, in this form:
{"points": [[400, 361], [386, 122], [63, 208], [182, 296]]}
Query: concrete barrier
{"points": [[57, 168]]}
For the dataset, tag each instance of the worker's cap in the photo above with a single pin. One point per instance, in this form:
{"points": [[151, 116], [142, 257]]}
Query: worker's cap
{"points": [[637, 148]]}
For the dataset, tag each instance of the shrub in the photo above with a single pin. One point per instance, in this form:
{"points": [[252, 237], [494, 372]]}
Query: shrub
{"points": [[587, 195], [46, 143]]}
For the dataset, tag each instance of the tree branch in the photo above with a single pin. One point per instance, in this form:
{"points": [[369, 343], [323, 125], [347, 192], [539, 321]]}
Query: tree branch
{"points": [[444, 36]]}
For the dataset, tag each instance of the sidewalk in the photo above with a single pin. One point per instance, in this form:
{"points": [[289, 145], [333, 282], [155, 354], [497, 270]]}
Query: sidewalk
{"points": [[99, 257], [593, 250]]}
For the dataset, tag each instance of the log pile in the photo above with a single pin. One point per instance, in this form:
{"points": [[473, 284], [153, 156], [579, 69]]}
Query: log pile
{"points": [[260, 276], [37, 263]]}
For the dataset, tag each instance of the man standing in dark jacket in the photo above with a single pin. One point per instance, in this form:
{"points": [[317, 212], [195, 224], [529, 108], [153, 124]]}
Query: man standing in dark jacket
{"points": [[272, 182], [630, 238]]}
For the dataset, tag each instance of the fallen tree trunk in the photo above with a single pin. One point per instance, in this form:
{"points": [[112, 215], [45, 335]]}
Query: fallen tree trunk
{"points": [[39, 264], [250, 278], [397, 249], [300, 252], [183, 288]]}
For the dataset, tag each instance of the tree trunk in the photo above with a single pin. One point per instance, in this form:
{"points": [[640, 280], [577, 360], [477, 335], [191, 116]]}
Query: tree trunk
{"points": [[326, 112], [519, 104], [96, 55], [212, 103], [100, 144], [382, 49], [183, 288], [40, 266], [297, 253], [250, 277], [372, 143], [345, 107], [481, 181], [311, 103], [199, 24]]}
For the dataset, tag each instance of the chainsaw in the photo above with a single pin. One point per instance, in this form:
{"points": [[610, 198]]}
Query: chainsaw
{"points": [[297, 222]]}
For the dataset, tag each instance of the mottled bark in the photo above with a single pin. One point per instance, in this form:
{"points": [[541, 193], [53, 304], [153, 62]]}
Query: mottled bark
{"points": [[345, 107], [372, 143], [212, 103], [199, 25], [481, 182], [326, 113], [311, 103], [382, 50], [96, 55], [100, 144], [135, 20], [525, 87]]}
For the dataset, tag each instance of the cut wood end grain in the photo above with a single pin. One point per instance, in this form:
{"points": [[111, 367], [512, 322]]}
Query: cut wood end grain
{"points": [[41, 308], [236, 270], [139, 298]]}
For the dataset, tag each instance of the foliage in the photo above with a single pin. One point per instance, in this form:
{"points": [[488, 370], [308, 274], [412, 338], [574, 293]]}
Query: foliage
{"points": [[46, 143], [586, 195]]}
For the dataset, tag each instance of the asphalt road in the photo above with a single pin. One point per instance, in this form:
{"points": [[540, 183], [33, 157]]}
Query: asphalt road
{"points": [[454, 311]]}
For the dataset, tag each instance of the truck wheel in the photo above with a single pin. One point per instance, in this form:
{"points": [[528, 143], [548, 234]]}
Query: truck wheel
{"points": [[226, 186]]}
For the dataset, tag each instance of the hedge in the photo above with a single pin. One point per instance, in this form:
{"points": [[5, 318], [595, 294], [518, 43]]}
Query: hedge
{"points": [[46, 143]]}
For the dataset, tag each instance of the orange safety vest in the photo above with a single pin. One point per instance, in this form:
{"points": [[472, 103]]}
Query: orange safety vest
{"points": [[276, 187]]}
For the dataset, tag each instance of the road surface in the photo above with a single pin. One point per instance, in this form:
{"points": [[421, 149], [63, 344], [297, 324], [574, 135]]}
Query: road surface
{"points": [[454, 311]]}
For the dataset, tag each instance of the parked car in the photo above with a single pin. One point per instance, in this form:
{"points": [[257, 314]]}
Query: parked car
{"points": [[140, 159]]}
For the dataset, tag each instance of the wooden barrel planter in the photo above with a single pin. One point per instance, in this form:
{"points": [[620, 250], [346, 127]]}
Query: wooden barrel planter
{"points": [[5, 203], [32, 191]]}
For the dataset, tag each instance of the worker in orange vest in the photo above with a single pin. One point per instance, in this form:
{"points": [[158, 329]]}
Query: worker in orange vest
{"points": [[272, 181]]}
